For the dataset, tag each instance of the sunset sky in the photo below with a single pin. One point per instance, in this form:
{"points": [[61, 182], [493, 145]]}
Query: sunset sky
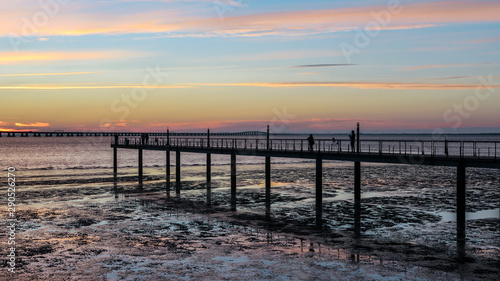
{"points": [[237, 65]]}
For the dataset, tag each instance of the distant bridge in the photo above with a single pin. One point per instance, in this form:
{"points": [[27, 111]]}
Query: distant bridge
{"points": [[131, 134]]}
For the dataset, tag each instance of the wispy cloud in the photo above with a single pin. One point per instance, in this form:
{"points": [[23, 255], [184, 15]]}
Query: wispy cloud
{"points": [[286, 55], [428, 66], [178, 23], [89, 86], [322, 65], [50, 74], [353, 84], [12, 58], [35, 124], [2, 129], [451, 77], [14, 127], [485, 40], [402, 27], [308, 73]]}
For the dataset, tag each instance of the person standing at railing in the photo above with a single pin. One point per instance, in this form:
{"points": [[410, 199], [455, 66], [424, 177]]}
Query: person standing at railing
{"points": [[310, 140], [352, 138]]}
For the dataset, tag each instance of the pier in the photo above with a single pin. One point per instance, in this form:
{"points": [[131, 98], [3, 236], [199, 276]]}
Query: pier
{"points": [[459, 154]]}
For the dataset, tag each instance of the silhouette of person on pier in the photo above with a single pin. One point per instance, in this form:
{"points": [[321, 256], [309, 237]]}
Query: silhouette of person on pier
{"points": [[144, 138], [310, 140], [352, 138]]}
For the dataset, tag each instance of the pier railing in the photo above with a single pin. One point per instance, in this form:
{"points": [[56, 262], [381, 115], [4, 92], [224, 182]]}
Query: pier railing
{"points": [[475, 149]]}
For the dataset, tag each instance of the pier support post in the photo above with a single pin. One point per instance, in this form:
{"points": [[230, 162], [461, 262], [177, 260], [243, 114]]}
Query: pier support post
{"points": [[358, 144], [177, 172], [461, 209], [209, 172], [233, 182], [209, 179], [140, 167], [115, 160], [268, 187], [319, 191], [357, 198], [167, 166]]}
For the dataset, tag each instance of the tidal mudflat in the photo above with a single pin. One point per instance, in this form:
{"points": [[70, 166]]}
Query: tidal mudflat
{"points": [[93, 230]]}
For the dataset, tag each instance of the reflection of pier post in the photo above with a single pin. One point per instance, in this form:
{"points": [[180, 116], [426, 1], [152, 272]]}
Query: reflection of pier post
{"points": [[233, 181], [268, 187], [177, 172], [115, 160], [357, 198], [140, 166], [167, 166], [209, 179], [268, 179], [461, 209], [319, 191], [209, 172]]}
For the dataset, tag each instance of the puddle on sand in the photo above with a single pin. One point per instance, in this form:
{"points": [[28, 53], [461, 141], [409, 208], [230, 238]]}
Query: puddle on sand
{"points": [[484, 214]]}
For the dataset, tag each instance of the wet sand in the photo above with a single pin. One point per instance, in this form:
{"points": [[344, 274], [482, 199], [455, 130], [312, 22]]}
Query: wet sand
{"points": [[94, 231]]}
